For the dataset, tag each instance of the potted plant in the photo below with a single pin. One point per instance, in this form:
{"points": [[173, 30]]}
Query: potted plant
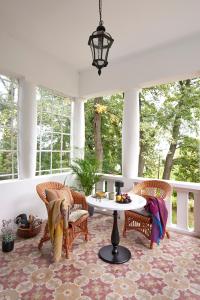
{"points": [[8, 235], [86, 173]]}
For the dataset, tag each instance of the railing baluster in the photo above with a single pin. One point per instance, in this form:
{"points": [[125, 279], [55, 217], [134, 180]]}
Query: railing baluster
{"points": [[100, 186], [169, 208], [182, 209], [110, 186], [197, 213]]}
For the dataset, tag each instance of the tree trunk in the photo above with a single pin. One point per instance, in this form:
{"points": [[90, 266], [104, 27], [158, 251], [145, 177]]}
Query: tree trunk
{"points": [[173, 145], [175, 132], [142, 146], [97, 134], [169, 161]]}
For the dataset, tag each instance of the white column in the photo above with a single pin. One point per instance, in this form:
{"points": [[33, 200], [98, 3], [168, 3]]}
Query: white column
{"points": [[27, 140], [78, 129], [130, 134]]}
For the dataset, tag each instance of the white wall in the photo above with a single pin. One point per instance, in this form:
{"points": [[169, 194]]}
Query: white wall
{"points": [[166, 63], [174, 61], [20, 196], [23, 60]]}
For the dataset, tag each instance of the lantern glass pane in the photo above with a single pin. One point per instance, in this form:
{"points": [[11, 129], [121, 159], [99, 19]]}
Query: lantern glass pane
{"points": [[92, 50], [96, 42], [104, 53], [106, 57], [97, 52], [100, 42], [105, 42]]}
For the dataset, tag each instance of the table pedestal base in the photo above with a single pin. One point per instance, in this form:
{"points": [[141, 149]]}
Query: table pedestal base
{"points": [[122, 255]]}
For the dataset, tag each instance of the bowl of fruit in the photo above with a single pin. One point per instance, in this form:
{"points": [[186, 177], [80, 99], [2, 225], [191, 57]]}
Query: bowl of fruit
{"points": [[123, 198]]}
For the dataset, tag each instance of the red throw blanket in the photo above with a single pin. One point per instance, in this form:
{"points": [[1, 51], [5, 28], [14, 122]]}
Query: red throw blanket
{"points": [[158, 210]]}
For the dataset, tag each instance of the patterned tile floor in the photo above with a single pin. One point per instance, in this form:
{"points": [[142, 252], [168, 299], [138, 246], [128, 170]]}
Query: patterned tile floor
{"points": [[170, 271]]}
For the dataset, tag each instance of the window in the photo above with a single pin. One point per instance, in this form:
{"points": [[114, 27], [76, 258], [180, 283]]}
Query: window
{"points": [[8, 128], [53, 142]]}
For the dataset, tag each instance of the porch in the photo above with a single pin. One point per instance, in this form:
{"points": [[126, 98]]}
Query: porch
{"points": [[170, 271], [161, 53]]}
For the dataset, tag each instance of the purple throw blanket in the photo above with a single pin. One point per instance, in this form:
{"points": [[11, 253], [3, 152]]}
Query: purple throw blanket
{"points": [[158, 210]]}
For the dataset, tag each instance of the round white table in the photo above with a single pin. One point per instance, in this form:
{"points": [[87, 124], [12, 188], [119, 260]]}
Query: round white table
{"points": [[116, 254]]}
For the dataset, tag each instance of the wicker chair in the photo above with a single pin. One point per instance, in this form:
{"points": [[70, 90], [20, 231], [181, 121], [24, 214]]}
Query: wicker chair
{"points": [[138, 220], [75, 228]]}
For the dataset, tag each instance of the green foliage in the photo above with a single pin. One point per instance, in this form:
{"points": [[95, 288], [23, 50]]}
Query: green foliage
{"points": [[111, 128], [163, 107], [54, 132], [187, 163], [148, 132], [86, 172], [8, 127]]}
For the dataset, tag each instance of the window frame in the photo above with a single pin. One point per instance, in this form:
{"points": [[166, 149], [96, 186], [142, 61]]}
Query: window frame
{"points": [[52, 132], [12, 105]]}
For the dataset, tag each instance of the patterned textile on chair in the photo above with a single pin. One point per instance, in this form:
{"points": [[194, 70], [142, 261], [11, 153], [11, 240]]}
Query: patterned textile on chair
{"points": [[158, 211], [58, 217], [77, 221]]}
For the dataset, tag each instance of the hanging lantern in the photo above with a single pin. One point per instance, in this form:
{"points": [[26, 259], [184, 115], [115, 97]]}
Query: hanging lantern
{"points": [[100, 42]]}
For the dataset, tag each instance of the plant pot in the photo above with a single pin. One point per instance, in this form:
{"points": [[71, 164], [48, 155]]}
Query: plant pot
{"points": [[7, 246]]}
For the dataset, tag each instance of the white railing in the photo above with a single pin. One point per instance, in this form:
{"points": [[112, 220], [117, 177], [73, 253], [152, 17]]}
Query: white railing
{"points": [[183, 189]]}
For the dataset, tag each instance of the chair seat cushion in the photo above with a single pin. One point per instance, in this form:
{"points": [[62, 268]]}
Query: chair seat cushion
{"points": [[142, 211], [77, 214]]}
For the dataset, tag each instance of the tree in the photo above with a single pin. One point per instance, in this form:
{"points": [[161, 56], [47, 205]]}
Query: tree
{"points": [[182, 107], [54, 131], [8, 128], [98, 110], [110, 109], [187, 163], [148, 111], [169, 113]]}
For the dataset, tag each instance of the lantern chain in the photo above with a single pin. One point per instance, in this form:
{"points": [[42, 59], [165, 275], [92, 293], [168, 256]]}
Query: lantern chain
{"points": [[100, 12]]}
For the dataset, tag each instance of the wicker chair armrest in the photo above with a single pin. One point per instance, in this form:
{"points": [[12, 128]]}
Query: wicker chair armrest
{"points": [[79, 199]]}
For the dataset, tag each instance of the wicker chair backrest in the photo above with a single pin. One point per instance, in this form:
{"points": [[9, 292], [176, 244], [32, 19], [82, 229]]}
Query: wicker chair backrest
{"points": [[40, 188], [156, 188]]}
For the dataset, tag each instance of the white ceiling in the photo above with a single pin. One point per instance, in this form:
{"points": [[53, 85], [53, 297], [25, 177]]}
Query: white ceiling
{"points": [[62, 27]]}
